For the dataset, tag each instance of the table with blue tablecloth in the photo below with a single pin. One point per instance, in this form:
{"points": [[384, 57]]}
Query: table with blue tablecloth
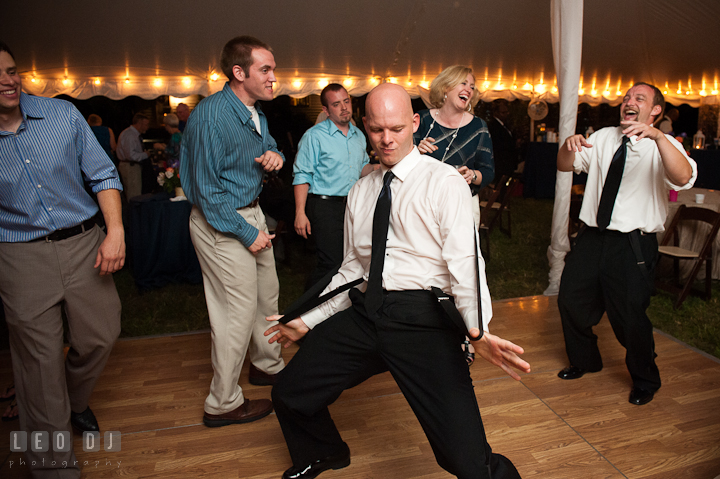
{"points": [[160, 249]]}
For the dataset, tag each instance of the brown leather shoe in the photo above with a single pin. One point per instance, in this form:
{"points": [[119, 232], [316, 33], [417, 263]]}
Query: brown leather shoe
{"points": [[259, 378], [248, 411]]}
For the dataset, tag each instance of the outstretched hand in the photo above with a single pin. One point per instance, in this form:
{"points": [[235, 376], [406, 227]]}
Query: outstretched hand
{"points": [[501, 353], [286, 334], [576, 143]]}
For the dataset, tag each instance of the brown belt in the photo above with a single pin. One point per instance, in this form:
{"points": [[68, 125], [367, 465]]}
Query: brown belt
{"points": [[66, 233], [254, 203]]}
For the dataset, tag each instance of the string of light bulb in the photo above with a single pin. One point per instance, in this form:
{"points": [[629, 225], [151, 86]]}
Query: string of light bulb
{"points": [[297, 85]]}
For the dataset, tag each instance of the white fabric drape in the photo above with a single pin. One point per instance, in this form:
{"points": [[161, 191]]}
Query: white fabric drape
{"points": [[567, 25]]}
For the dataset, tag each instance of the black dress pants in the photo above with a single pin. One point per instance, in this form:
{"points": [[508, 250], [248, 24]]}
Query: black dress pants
{"points": [[421, 349], [601, 275], [327, 220]]}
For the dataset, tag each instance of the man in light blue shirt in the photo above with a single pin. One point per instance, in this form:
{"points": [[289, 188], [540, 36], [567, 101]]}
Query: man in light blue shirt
{"points": [[53, 257], [225, 152], [331, 157]]}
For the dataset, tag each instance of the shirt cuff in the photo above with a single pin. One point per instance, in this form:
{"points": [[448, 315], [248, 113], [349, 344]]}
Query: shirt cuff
{"points": [[302, 178], [109, 184], [313, 317]]}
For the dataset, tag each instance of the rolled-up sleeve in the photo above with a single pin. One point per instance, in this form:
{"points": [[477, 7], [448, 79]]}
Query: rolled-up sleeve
{"points": [[305, 161], [94, 162]]}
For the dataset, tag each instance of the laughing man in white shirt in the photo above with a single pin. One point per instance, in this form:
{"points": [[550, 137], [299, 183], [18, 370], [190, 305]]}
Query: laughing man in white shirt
{"points": [[612, 264]]}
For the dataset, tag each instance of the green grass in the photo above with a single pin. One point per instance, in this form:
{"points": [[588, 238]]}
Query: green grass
{"points": [[179, 308], [696, 322], [172, 309], [518, 266]]}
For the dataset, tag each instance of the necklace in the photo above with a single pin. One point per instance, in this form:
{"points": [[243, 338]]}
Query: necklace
{"points": [[454, 135]]}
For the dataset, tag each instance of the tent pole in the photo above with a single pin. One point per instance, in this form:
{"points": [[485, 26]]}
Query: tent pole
{"points": [[567, 19]]}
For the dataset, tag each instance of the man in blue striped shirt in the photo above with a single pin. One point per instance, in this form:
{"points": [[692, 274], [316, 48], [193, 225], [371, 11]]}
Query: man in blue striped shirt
{"points": [[225, 152], [53, 257], [331, 157]]}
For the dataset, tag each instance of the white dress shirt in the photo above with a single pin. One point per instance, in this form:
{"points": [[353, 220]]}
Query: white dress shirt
{"points": [[642, 201], [129, 145], [430, 239]]}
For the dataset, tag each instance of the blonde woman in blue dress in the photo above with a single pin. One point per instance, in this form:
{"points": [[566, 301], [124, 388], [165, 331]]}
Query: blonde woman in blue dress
{"points": [[451, 133]]}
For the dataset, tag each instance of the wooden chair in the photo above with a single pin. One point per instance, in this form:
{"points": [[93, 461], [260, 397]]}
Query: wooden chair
{"points": [[500, 205], [486, 216], [704, 255]]}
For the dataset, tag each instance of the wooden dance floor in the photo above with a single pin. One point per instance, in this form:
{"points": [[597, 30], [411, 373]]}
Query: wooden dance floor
{"points": [[153, 389]]}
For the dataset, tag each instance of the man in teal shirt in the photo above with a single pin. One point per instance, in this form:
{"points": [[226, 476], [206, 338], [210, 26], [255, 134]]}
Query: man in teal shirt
{"points": [[225, 152], [331, 157]]}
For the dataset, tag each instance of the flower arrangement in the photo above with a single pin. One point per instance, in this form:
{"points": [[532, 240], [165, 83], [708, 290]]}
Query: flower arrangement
{"points": [[169, 179]]}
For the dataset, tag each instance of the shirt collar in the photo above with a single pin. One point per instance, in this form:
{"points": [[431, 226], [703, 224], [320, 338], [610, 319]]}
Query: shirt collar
{"points": [[333, 128], [239, 107], [402, 169], [30, 108]]}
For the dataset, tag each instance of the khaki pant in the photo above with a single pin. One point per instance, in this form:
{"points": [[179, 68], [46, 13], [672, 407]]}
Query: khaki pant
{"points": [[37, 280], [241, 289], [131, 176]]}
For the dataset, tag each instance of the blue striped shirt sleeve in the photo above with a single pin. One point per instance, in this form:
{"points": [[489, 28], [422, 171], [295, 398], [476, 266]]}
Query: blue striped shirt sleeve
{"points": [[44, 166]]}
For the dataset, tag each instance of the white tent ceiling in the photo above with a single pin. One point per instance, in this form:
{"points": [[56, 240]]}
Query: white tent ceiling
{"points": [[147, 48]]}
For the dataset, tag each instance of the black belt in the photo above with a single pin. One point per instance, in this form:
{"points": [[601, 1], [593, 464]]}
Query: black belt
{"points": [[620, 233], [329, 198], [311, 299], [66, 233]]}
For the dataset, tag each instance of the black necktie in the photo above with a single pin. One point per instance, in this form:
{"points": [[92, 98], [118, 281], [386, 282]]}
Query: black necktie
{"points": [[381, 222], [611, 186]]}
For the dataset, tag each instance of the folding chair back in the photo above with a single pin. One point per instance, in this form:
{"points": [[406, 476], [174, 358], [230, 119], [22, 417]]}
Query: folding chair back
{"points": [[486, 216], [684, 215], [500, 205]]}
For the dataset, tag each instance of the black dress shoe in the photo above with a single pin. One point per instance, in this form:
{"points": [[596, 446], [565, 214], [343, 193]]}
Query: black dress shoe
{"points": [[84, 421], [571, 372], [639, 396], [308, 471]]}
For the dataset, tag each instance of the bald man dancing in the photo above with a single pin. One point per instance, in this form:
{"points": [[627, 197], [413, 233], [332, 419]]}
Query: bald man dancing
{"points": [[397, 324]]}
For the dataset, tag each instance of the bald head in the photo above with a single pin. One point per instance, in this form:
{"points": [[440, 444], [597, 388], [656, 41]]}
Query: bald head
{"points": [[388, 96], [390, 123]]}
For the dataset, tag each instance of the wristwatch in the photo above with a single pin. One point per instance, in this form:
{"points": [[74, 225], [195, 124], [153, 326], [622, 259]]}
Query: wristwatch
{"points": [[474, 176]]}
